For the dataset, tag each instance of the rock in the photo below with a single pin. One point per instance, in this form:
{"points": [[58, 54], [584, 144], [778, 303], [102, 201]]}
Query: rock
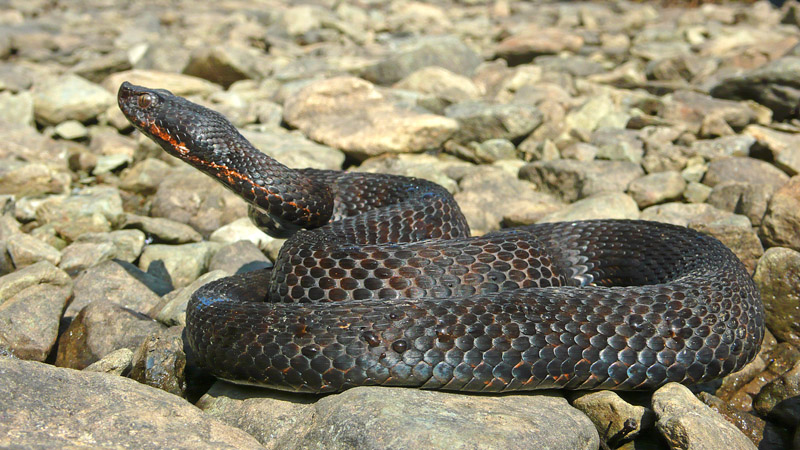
{"points": [[294, 150], [116, 282], [725, 146], [100, 328], [618, 145], [442, 83], [161, 230], [698, 193], [782, 219], [160, 362], [31, 302], [227, 64], [176, 83], [241, 230], [71, 130], [524, 46], [755, 428], [438, 169], [61, 408], [780, 399], [352, 115], [97, 68], [79, 256], [487, 197], [657, 188], [607, 205], [33, 179], [771, 85], [127, 244], [483, 152], [742, 198], [173, 311], [687, 423], [744, 170], [25, 250], [238, 257], [696, 111], [683, 213], [480, 121], [778, 278], [58, 99], [117, 362], [609, 413], [447, 52], [598, 111], [572, 180], [184, 262], [16, 108], [90, 210], [372, 418], [783, 147], [736, 232], [193, 198], [145, 177]]}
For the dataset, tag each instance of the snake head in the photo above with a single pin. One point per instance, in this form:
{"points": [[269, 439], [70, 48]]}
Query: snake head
{"points": [[184, 129]]}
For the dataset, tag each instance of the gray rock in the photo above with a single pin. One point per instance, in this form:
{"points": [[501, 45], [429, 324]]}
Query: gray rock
{"points": [[69, 97], [438, 169], [227, 64], [294, 150], [350, 114], [744, 170], [33, 179], [96, 68], [657, 188], [116, 282], [31, 302], [748, 199], [241, 230], [440, 82], [572, 180], [782, 219], [176, 83], [173, 311], [71, 130], [100, 328], [609, 413], [16, 108], [780, 399], [480, 121], [683, 213], [193, 198], [447, 52], [144, 177], [772, 85], [373, 418], [161, 230], [725, 146], [117, 362], [763, 434], [784, 147], [698, 111], [184, 262], [160, 362], [79, 256], [535, 41], [607, 205], [736, 232], [580, 151], [597, 111], [240, 256], [92, 209], [687, 423], [776, 277], [483, 152], [61, 408], [24, 250], [618, 145], [698, 193], [127, 244]]}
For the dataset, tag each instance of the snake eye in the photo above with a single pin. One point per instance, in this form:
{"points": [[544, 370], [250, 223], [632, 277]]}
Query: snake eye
{"points": [[145, 100]]}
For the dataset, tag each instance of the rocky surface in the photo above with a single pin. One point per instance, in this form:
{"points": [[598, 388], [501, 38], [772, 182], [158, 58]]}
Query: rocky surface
{"points": [[526, 111]]}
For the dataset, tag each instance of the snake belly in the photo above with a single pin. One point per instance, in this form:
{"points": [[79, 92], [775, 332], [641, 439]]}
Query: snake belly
{"points": [[380, 283]]}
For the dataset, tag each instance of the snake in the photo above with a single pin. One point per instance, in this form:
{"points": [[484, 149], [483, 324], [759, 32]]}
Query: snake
{"points": [[380, 283]]}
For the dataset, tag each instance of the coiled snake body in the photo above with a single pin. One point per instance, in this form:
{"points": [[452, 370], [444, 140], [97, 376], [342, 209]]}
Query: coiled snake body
{"points": [[380, 283]]}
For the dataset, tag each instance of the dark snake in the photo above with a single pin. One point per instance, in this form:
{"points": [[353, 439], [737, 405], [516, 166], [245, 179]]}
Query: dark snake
{"points": [[380, 283]]}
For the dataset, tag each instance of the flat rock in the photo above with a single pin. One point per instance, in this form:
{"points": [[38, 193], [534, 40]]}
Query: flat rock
{"points": [[24, 250], [725, 146], [117, 282], [176, 83], [352, 115], [127, 244], [184, 262], [160, 230], [295, 150], [699, 112], [117, 362], [377, 418], [145, 176], [172, 310], [529, 43], [62, 408], [100, 328], [440, 82], [744, 170], [439, 169], [737, 233], [657, 188], [33, 179], [69, 97], [80, 256], [31, 302], [90, 210], [609, 413], [778, 278], [772, 85], [748, 199], [683, 213], [782, 219], [572, 180], [242, 230], [480, 121], [238, 257], [447, 52], [160, 362], [607, 205], [227, 64], [686, 423]]}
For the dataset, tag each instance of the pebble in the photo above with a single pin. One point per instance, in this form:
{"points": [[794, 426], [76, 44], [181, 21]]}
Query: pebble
{"points": [[782, 219], [184, 262], [68, 97], [777, 278]]}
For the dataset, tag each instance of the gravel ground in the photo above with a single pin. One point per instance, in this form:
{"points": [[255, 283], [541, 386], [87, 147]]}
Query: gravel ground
{"points": [[526, 111]]}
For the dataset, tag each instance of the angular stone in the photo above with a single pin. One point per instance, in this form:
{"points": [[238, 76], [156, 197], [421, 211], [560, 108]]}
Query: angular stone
{"points": [[93, 209], [294, 150], [241, 230], [117, 362], [784, 147], [227, 64], [748, 199], [687, 423], [176, 83], [683, 213], [31, 302], [657, 188], [778, 278], [99, 329], [572, 180], [238, 257], [127, 244], [444, 84], [618, 145], [352, 115], [744, 170], [79, 256], [69, 97], [609, 413], [173, 311], [184, 262], [724, 146], [61, 408], [144, 177], [606, 205], [772, 85], [33, 179], [736, 232], [369, 418], [763, 434], [524, 46], [16, 108], [438, 169], [480, 121], [160, 362], [696, 110], [24, 250], [782, 220], [162, 231]]}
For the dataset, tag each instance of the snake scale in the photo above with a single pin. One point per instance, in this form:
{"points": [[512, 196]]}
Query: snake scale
{"points": [[380, 283]]}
